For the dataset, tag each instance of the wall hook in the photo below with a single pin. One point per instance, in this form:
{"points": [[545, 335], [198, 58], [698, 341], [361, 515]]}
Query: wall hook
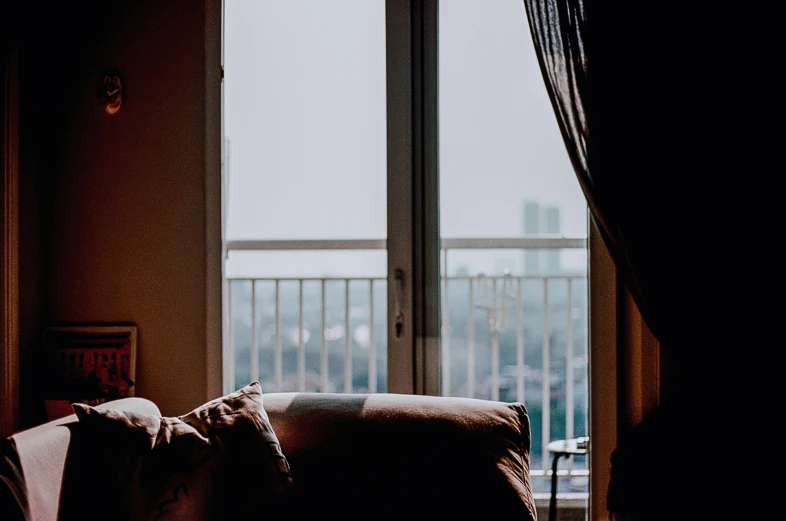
{"points": [[111, 92]]}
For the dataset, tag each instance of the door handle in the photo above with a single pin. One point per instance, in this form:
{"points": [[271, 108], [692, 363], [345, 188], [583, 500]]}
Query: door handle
{"points": [[398, 315]]}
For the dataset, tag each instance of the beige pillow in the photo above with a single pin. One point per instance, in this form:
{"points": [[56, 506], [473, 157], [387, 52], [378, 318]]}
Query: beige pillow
{"points": [[136, 467], [223, 457], [253, 470]]}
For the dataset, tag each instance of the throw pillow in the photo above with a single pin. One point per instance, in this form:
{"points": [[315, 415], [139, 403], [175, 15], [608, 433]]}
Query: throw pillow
{"points": [[221, 458], [253, 471], [144, 467]]}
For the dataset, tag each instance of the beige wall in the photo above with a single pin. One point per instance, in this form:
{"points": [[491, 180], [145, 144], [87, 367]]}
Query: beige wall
{"points": [[122, 219], [603, 330]]}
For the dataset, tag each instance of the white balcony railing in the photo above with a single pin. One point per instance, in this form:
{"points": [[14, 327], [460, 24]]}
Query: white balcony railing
{"points": [[539, 319]]}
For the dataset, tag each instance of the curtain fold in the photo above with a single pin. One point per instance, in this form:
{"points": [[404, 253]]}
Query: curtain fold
{"points": [[641, 94], [559, 31], [634, 93]]}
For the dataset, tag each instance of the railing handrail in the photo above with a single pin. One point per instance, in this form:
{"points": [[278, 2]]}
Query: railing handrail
{"points": [[534, 242], [480, 276], [540, 242], [307, 244]]}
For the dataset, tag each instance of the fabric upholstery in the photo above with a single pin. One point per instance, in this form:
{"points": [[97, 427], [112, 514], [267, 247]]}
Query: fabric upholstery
{"points": [[137, 467], [353, 456], [41, 455], [253, 470], [13, 498], [404, 456]]}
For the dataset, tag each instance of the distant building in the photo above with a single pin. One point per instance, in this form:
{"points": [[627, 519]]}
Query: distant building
{"points": [[531, 225], [552, 228], [538, 221]]}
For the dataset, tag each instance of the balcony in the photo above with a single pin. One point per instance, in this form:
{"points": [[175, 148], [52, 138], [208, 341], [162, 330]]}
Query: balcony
{"points": [[505, 336]]}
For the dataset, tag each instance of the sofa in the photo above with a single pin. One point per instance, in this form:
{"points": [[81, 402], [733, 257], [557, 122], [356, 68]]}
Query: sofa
{"points": [[274, 455]]}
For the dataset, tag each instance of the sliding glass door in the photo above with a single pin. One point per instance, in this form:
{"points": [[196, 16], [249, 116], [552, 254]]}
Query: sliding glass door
{"points": [[401, 214]]}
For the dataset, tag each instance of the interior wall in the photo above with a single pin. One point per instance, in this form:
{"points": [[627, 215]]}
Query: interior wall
{"points": [[121, 198], [640, 361]]}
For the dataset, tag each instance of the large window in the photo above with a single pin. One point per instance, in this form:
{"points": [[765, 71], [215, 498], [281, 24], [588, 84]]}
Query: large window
{"points": [[402, 215]]}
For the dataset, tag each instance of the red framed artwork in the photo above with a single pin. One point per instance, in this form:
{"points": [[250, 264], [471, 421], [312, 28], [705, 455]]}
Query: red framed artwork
{"points": [[90, 364]]}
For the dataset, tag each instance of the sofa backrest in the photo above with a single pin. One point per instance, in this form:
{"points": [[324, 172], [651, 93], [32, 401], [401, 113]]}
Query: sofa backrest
{"points": [[365, 455], [352, 456], [34, 461]]}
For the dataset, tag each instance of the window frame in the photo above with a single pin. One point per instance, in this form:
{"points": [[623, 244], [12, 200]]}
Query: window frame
{"points": [[413, 166], [413, 243]]}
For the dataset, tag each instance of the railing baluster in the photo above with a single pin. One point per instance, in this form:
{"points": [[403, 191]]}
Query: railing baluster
{"points": [[277, 349], [520, 342], [569, 405], [254, 352], [323, 346], [471, 342], [372, 348], [301, 348], [229, 352], [230, 355], [546, 384], [347, 346], [446, 340], [495, 340]]}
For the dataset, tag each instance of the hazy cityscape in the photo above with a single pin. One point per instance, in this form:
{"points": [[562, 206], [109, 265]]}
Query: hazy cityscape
{"points": [[542, 280]]}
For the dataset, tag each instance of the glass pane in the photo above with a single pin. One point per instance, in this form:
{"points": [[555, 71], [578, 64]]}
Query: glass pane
{"points": [[305, 119], [514, 317], [305, 160]]}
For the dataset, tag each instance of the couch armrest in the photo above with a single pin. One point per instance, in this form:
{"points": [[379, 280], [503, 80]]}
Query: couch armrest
{"points": [[40, 454], [404, 455]]}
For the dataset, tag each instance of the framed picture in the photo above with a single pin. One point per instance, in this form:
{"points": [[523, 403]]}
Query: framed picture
{"points": [[91, 364]]}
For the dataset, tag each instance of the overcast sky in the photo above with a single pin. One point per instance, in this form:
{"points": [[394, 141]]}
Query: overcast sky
{"points": [[305, 117]]}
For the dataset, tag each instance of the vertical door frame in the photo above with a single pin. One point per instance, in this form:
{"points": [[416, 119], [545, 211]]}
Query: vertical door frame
{"points": [[400, 144], [9, 248], [413, 243], [215, 207]]}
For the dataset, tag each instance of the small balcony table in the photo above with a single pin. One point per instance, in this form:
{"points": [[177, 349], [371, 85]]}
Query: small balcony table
{"points": [[567, 448]]}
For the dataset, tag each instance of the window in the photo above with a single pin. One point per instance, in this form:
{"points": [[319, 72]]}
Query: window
{"points": [[402, 215]]}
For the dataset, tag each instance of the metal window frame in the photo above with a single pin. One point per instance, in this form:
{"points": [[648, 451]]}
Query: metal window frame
{"points": [[413, 195], [413, 238]]}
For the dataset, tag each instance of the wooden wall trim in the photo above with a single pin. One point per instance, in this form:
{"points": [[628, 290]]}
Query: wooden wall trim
{"points": [[215, 283], [603, 378], [640, 363], [9, 276]]}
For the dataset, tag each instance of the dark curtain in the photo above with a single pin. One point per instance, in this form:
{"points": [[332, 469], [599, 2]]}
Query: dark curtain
{"points": [[646, 96], [618, 95]]}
